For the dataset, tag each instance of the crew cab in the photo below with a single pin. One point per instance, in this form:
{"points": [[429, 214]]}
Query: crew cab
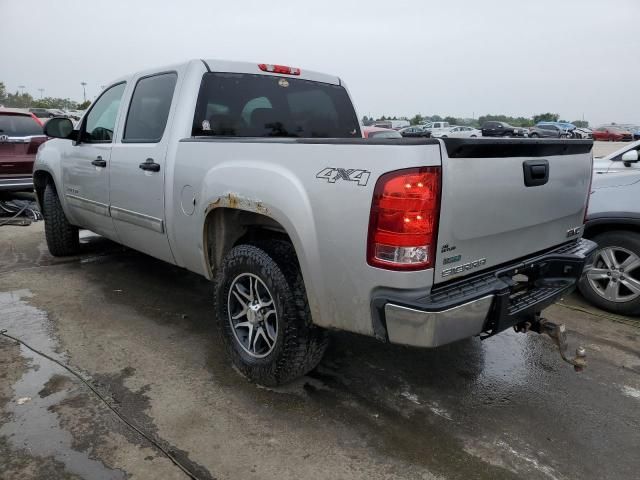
{"points": [[257, 177]]}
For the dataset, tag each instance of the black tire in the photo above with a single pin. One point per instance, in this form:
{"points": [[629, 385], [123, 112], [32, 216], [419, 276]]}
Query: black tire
{"points": [[62, 237], [534, 135], [299, 345], [622, 239]]}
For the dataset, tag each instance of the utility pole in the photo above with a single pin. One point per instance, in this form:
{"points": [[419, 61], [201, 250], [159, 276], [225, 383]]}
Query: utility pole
{"points": [[84, 91], [41, 90]]}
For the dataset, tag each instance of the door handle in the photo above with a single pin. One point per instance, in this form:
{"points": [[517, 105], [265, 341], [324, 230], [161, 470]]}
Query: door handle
{"points": [[149, 165], [99, 162]]}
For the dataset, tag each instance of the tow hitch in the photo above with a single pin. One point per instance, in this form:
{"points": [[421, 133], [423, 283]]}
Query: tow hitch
{"points": [[559, 335]]}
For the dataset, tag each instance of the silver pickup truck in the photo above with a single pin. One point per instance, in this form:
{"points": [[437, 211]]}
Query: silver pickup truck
{"points": [[256, 177]]}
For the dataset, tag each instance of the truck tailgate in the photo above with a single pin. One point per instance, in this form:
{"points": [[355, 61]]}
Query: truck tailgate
{"points": [[489, 216]]}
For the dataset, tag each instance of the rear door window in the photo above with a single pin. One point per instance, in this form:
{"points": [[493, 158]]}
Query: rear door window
{"points": [[247, 105], [149, 108], [18, 126]]}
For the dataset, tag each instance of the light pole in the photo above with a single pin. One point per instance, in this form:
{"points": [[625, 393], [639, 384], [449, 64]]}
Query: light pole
{"points": [[41, 90], [84, 91]]}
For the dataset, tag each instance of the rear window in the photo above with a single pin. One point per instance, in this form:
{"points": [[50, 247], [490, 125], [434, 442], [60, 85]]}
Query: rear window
{"points": [[246, 105], [149, 108], [18, 125]]}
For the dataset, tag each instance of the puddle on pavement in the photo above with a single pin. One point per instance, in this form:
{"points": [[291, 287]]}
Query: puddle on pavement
{"points": [[33, 424]]}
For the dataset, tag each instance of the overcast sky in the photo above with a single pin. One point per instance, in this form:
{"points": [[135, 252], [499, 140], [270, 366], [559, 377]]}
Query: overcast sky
{"points": [[456, 57]]}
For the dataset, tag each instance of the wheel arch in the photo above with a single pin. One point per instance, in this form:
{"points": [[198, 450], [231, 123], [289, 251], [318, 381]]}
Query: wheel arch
{"points": [[226, 227], [597, 226], [41, 178], [234, 222]]}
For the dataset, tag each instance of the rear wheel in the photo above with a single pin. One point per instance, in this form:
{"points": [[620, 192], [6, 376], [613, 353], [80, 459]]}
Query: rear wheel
{"points": [[263, 313], [613, 283], [534, 135], [62, 237]]}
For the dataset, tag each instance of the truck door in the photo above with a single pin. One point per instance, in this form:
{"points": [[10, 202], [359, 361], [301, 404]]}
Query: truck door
{"points": [[85, 165], [138, 168]]}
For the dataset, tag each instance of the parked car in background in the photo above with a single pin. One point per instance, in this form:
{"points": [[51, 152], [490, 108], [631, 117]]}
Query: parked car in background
{"points": [[613, 222], [436, 128], [583, 133], [460, 132], [377, 132], [41, 112], [502, 129], [20, 136], [634, 129], [549, 130], [394, 124], [620, 160], [611, 133], [414, 131], [74, 114], [57, 112]]}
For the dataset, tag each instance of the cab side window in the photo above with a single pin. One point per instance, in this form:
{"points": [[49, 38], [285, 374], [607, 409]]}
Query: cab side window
{"points": [[149, 109], [101, 120]]}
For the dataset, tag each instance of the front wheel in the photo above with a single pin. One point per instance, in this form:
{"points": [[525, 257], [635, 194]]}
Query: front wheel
{"points": [[62, 237], [534, 135], [263, 314], [613, 283]]}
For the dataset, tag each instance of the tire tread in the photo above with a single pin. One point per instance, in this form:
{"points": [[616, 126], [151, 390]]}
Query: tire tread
{"points": [[62, 237]]}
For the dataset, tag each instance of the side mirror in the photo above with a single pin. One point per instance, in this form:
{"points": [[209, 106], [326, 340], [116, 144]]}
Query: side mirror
{"points": [[630, 157], [59, 127]]}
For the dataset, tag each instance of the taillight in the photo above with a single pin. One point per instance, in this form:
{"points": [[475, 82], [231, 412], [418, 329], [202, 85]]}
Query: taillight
{"points": [[404, 219], [265, 67]]}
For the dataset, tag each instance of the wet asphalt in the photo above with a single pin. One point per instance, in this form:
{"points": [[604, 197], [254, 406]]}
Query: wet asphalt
{"points": [[142, 333]]}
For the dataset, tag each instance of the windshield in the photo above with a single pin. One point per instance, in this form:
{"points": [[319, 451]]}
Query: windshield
{"points": [[247, 105]]}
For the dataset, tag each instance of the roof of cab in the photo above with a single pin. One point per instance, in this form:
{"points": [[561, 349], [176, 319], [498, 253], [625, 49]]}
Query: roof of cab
{"points": [[248, 67], [228, 66]]}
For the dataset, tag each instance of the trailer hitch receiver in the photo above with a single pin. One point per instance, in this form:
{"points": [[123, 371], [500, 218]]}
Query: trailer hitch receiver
{"points": [[558, 333]]}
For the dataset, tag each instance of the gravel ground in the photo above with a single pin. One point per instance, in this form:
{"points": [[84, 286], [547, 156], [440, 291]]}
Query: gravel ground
{"points": [[141, 331]]}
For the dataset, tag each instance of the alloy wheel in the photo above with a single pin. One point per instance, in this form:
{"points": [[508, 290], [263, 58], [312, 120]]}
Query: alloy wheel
{"points": [[252, 315], [615, 274]]}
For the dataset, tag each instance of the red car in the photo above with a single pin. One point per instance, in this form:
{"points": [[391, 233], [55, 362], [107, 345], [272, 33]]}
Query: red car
{"points": [[612, 134], [20, 136], [377, 132]]}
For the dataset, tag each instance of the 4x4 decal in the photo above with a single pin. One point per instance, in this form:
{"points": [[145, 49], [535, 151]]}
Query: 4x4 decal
{"points": [[332, 175]]}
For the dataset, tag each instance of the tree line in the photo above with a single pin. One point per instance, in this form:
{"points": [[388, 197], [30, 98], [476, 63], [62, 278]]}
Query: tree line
{"points": [[478, 122], [25, 100]]}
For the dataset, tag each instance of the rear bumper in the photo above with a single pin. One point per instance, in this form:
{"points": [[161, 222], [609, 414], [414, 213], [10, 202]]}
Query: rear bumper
{"points": [[16, 184], [489, 303]]}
